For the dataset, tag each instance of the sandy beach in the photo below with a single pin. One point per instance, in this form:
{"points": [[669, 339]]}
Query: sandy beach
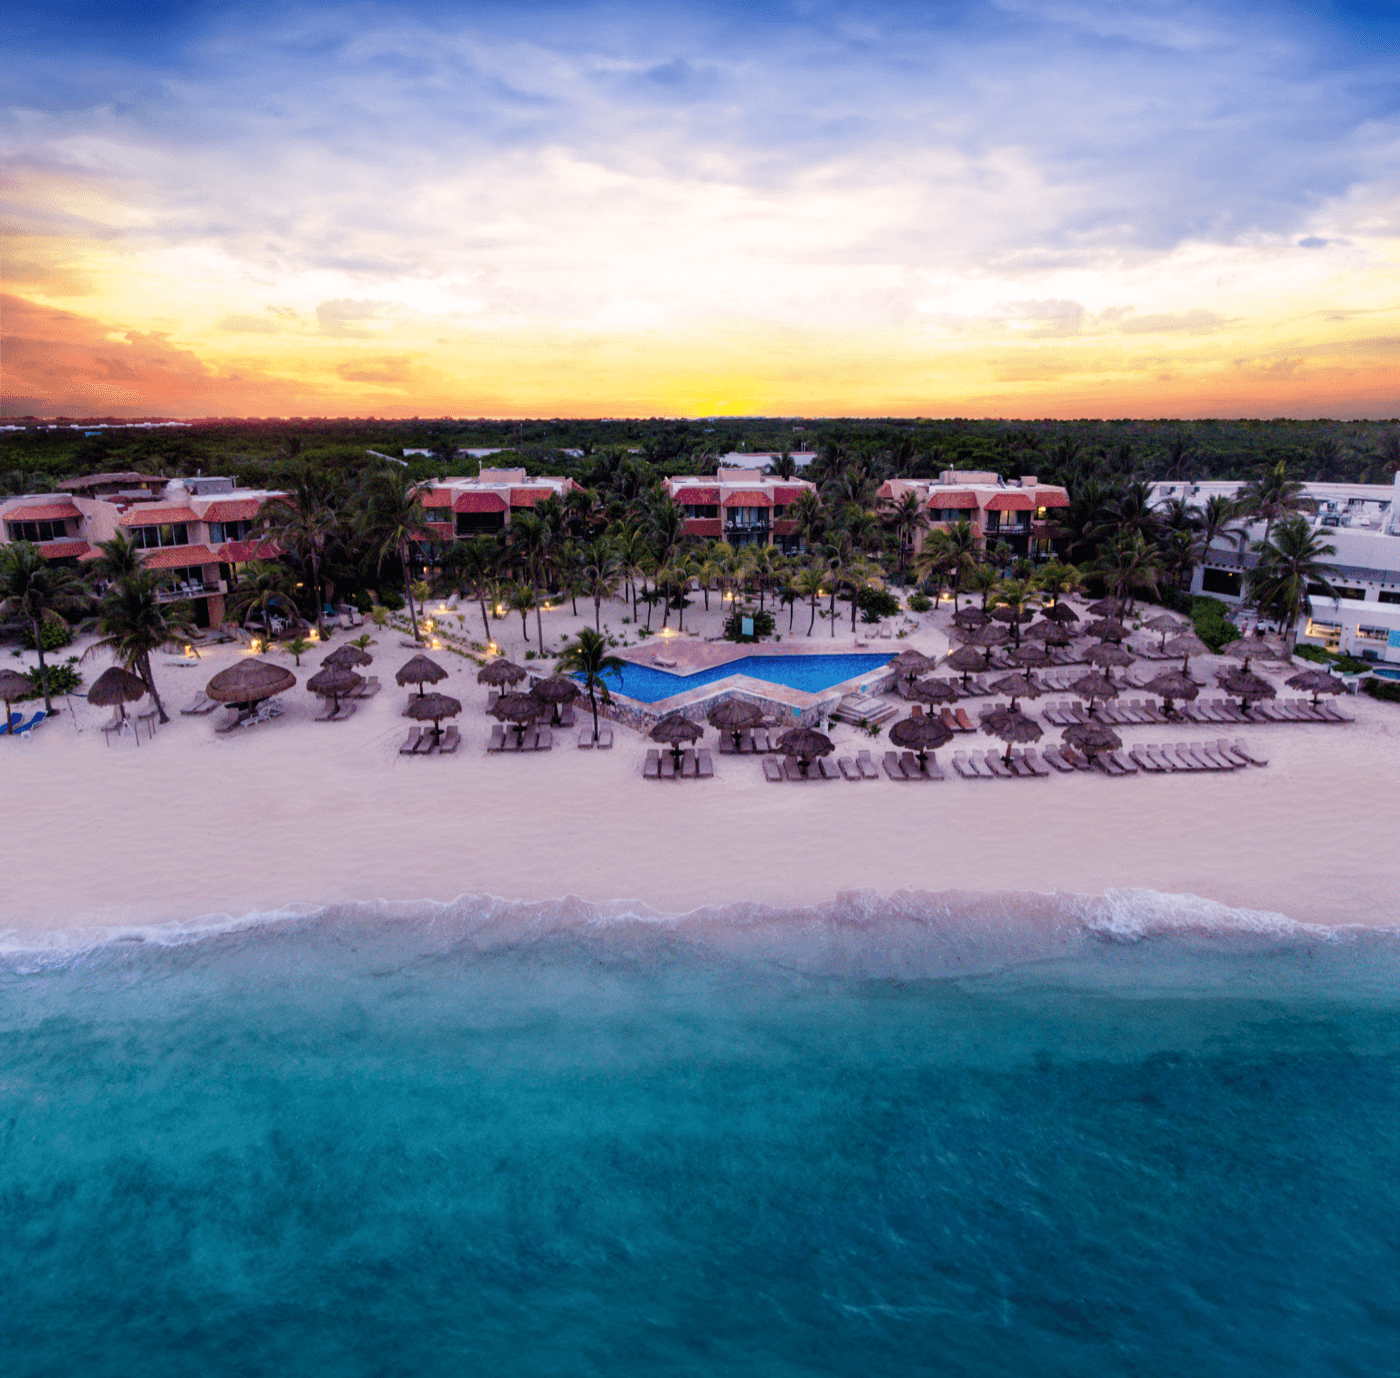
{"points": [[293, 811]]}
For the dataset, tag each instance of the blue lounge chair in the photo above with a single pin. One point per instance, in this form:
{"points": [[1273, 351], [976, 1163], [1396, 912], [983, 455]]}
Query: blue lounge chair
{"points": [[25, 728]]}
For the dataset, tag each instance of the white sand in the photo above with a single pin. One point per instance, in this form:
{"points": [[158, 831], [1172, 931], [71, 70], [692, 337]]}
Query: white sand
{"points": [[295, 811]]}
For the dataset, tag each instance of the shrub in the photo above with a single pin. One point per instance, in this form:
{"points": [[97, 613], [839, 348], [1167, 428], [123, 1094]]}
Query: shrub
{"points": [[54, 636], [920, 602], [1387, 690], [1342, 664], [1213, 626], [762, 625], [391, 599], [63, 679], [877, 603]]}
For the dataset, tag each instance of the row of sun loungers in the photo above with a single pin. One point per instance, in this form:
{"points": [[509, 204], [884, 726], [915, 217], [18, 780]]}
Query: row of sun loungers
{"points": [[694, 765], [605, 737], [422, 742], [533, 739], [1135, 712], [337, 712], [19, 726]]}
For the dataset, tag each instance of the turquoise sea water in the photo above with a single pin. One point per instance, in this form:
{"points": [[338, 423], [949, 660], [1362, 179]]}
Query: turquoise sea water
{"points": [[886, 1139], [810, 673]]}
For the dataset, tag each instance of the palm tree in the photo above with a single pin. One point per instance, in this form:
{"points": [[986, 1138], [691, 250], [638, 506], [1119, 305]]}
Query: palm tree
{"points": [[1057, 578], [601, 569], [533, 537], [1014, 594], [954, 552], [475, 565], [262, 586], [120, 558], [905, 516], [1213, 523], [395, 517], [807, 583], [631, 547], [1272, 496], [808, 517], [859, 575], [134, 623], [37, 593], [521, 599], [1292, 565], [1131, 562], [303, 521], [588, 657]]}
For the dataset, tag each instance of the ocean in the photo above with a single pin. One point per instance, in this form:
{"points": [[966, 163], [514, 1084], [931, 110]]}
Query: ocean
{"points": [[1008, 1135]]}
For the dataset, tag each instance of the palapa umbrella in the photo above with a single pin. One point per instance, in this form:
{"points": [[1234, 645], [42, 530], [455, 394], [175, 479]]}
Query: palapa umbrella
{"points": [[673, 730], [909, 665], [1022, 686], [1106, 629], [933, 691], [985, 637], [347, 657], [1004, 612], [250, 681], [1029, 657], [1093, 687], [804, 743], [1108, 607], [970, 618], [1051, 633], [434, 707], [1107, 656], [13, 686], [1092, 738], [556, 691], [1166, 623], [966, 659], [1171, 685], [420, 671], [1186, 645], [1061, 613], [1247, 648], [1013, 727], [1316, 682], [920, 734], [733, 716], [516, 708], [500, 673], [333, 681], [113, 688], [1246, 686]]}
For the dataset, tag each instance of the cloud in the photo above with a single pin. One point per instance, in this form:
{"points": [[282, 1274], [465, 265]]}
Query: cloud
{"points": [[1313, 242], [385, 370], [247, 325], [1198, 322]]}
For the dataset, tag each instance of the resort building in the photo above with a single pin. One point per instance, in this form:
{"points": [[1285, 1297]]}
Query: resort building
{"points": [[1361, 522], [199, 530], [482, 506], [741, 506], [1015, 512]]}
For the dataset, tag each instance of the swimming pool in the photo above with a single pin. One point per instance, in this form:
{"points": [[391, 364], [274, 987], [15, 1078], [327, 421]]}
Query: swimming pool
{"points": [[811, 674], [1381, 672]]}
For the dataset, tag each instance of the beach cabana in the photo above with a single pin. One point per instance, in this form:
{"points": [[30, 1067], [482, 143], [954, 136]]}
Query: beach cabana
{"points": [[1051, 633], [910, 664], [1316, 682], [1167, 623], [1013, 727], [921, 734], [985, 638], [675, 730], [1108, 607], [1247, 648], [249, 682], [13, 687], [420, 671], [969, 619], [1029, 657], [1106, 629], [1171, 685], [434, 708], [803, 744]]}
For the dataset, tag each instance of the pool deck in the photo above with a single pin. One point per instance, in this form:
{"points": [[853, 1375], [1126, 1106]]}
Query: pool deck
{"points": [[684, 655]]}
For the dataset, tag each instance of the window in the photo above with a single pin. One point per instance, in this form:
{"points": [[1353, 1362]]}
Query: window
{"points": [[1390, 596], [1221, 581], [704, 511], [38, 531], [1373, 633], [1357, 595], [153, 537], [219, 532]]}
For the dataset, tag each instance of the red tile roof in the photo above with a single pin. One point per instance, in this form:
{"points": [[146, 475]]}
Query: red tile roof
{"points": [[42, 512], [240, 552], [783, 496], [785, 526], [939, 499], [179, 557], [1055, 497], [748, 497], [704, 526], [1011, 502], [66, 550], [479, 502], [157, 516], [528, 497], [698, 497], [436, 497], [234, 509]]}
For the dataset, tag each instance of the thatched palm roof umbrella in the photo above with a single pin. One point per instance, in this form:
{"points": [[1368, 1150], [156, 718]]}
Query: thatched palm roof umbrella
{"points": [[420, 671], [970, 618], [966, 659], [500, 673], [249, 681], [1013, 727], [1108, 607], [1186, 645], [1106, 629], [1171, 685], [13, 686], [1246, 686], [920, 734], [518, 709], [555, 691], [1167, 623], [933, 691], [909, 665], [434, 707], [804, 743], [1029, 657], [673, 730], [986, 637], [1022, 686], [1107, 656], [733, 716], [1247, 648], [115, 687], [347, 657], [1316, 682], [1051, 633], [1092, 738], [333, 681], [1061, 613], [1093, 687]]}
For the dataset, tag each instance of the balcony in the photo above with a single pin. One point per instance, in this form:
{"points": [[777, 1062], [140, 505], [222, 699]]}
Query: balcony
{"points": [[192, 588]]}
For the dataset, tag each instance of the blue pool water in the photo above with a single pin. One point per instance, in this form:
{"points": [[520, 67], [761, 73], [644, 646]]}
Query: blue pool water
{"points": [[541, 1141], [1382, 673], [810, 673]]}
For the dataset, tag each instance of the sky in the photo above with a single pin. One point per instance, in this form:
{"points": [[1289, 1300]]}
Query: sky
{"points": [[1023, 208]]}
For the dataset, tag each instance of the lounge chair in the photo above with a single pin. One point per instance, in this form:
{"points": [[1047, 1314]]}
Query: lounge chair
{"points": [[513, 740], [1204, 752], [963, 766], [932, 770], [1331, 711], [726, 744], [746, 747], [1181, 759], [605, 736], [1153, 753], [544, 738], [369, 688], [427, 743], [761, 740], [688, 764], [451, 740], [202, 704], [1037, 767], [411, 741], [566, 715], [1019, 768], [704, 764], [892, 766], [964, 722], [1138, 755], [997, 766], [529, 738], [828, 769], [668, 766], [847, 767], [585, 738], [865, 763], [1076, 758], [497, 742], [1052, 757], [910, 764], [652, 769], [1251, 756], [793, 771], [1124, 764], [772, 770]]}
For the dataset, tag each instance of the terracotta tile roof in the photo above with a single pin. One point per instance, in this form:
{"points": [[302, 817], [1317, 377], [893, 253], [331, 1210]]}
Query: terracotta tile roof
{"points": [[66, 550], [748, 497], [240, 552], [1016, 501], [179, 557], [783, 496], [528, 497], [157, 516], [697, 497], [1054, 497], [785, 526], [479, 502], [704, 526], [436, 497], [234, 509], [41, 512], [952, 498]]}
